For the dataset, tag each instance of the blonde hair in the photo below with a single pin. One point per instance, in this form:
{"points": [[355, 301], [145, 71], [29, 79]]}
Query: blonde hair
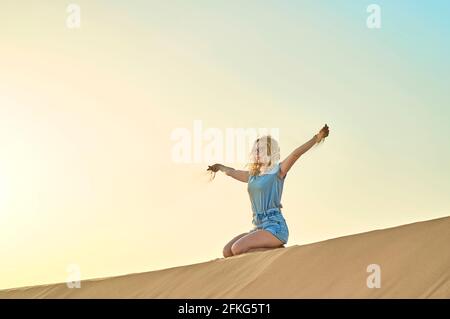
{"points": [[273, 153]]}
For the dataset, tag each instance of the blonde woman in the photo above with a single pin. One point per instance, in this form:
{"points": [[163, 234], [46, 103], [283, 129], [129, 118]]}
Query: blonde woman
{"points": [[265, 179]]}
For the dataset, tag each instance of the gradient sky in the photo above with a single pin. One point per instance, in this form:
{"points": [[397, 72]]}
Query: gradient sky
{"points": [[86, 115]]}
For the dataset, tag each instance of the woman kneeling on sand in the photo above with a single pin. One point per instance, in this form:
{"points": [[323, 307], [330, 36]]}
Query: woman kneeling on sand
{"points": [[265, 179]]}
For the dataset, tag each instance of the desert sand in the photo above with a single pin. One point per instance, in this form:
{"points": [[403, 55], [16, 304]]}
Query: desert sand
{"points": [[414, 262]]}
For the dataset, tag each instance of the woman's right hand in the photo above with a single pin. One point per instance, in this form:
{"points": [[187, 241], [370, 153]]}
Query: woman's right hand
{"points": [[239, 175], [214, 168]]}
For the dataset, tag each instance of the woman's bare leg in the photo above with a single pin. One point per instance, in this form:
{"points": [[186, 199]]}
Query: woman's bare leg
{"points": [[255, 240], [227, 249]]}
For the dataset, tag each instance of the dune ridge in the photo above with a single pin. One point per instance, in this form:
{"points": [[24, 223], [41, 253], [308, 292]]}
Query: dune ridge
{"points": [[414, 261]]}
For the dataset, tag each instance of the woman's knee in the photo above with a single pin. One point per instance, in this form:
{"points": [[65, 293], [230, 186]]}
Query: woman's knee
{"points": [[227, 251], [237, 248]]}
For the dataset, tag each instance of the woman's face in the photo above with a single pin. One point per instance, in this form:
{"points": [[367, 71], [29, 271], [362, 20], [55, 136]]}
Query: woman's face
{"points": [[261, 151]]}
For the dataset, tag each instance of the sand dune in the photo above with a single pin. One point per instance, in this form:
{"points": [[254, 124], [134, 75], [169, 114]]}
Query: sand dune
{"points": [[414, 261]]}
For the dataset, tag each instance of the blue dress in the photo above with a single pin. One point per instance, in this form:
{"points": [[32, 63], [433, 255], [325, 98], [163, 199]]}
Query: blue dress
{"points": [[265, 196]]}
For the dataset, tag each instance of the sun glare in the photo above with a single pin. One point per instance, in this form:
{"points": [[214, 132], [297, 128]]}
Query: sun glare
{"points": [[3, 192]]}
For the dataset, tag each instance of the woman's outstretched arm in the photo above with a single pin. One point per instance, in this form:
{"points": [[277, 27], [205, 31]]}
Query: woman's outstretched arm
{"points": [[286, 165], [241, 176]]}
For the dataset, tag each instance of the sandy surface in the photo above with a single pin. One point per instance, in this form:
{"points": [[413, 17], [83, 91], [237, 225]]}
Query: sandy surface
{"points": [[414, 262]]}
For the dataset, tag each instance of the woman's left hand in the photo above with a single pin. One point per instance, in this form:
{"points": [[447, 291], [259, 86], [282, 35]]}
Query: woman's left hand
{"points": [[323, 133]]}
